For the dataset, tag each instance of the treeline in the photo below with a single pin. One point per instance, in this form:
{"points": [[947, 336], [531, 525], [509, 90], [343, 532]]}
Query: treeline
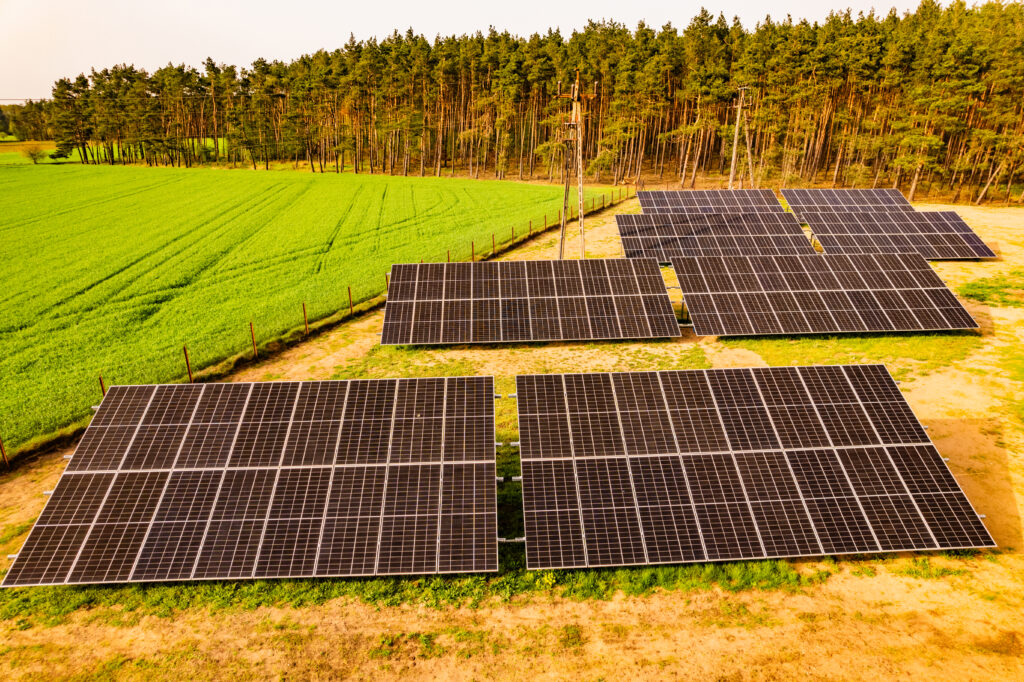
{"points": [[933, 99]]}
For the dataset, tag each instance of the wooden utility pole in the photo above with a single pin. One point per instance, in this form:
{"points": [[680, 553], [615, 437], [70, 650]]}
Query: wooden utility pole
{"points": [[574, 146], [563, 215], [736, 138], [750, 155]]}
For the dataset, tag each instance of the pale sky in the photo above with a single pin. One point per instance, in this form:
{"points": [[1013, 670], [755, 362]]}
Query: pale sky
{"points": [[43, 40]]}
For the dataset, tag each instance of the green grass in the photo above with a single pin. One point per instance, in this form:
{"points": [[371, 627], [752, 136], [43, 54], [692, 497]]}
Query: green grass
{"points": [[570, 638], [425, 645], [923, 569], [48, 606], [902, 353], [1004, 291], [111, 269], [11, 532], [418, 645]]}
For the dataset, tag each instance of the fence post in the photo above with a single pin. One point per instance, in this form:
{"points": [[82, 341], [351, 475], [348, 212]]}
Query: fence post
{"points": [[529, 229], [4, 453], [252, 332], [472, 251], [188, 365], [449, 255], [387, 283], [494, 245], [103, 389], [351, 310], [545, 222], [305, 318]]}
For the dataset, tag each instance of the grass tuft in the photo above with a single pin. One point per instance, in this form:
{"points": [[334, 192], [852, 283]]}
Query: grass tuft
{"points": [[1001, 291], [923, 569]]}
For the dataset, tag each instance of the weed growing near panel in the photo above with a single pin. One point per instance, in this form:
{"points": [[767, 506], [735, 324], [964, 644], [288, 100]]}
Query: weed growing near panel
{"points": [[901, 353], [922, 568], [48, 606], [12, 532], [1004, 291]]}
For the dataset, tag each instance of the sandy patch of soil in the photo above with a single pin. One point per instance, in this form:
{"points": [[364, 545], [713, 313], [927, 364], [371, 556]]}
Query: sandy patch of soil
{"points": [[850, 628]]}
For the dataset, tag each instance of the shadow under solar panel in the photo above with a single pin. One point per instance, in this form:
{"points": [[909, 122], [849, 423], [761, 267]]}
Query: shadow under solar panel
{"points": [[641, 468], [282, 479]]}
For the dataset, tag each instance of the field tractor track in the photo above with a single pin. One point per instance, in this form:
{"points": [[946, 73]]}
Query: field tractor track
{"points": [[241, 205], [318, 266]]}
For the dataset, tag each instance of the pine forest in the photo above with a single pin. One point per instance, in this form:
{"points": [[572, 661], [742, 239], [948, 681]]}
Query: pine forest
{"points": [[930, 102]]}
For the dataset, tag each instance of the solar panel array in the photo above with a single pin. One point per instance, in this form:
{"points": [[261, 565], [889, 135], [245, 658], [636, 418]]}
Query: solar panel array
{"points": [[845, 200], [816, 294], [664, 236], [510, 301], [708, 465], [279, 479], [935, 235], [709, 201]]}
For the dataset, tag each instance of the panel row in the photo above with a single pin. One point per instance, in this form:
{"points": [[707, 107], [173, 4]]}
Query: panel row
{"points": [[708, 200], [805, 273], [321, 521], [536, 319], [515, 280], [512, 301], [197, 426], [650, 413], [673, 509], [801, 200], [811, 312], [934, 235], [817, 294], [667, 235]]}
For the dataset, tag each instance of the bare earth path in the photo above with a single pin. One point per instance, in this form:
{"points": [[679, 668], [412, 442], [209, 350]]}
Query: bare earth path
{"points": [[949, 617]]}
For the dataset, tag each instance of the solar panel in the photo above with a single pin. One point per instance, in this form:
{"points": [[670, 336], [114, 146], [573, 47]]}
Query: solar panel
{"points": [[664, 236], [510, 301], [936, 235], [818, 294], [844, 200], [709, 201], [274, 480], [708, 465]]}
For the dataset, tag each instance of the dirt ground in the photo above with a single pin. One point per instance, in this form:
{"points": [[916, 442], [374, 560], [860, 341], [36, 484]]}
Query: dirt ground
{"points": [[960, 617]]}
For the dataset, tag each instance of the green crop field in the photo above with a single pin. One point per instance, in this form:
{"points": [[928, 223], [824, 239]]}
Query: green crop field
{"points": [[111, 269]]}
